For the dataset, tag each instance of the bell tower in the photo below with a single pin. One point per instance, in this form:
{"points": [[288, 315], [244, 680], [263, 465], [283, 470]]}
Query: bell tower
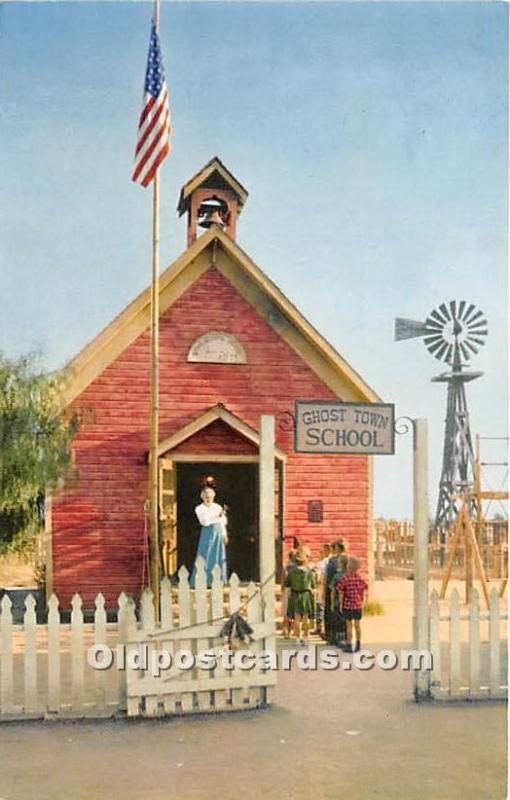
{"points": [[212, 197]]}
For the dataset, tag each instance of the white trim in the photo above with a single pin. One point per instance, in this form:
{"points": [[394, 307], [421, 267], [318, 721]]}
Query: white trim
{"points": [[213, 458], [198, 424]]}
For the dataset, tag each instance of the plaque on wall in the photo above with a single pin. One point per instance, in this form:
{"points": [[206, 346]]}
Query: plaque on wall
{"points": [[315, 511], [217, 347]]}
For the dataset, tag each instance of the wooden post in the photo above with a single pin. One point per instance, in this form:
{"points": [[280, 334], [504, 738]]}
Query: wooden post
{"points": [[154, 404], [474, 644], [30, 630], [100, 638], [455, 678], [53, 655], [435, 643], [266, 507], [454, 542], [494, 644], [478, 494], [379, 552], [421, 551], [468, 564], [77, 666], [371, 526], [122, 638], [470, 534], [48, 543], [6, 673], [266, 528]]}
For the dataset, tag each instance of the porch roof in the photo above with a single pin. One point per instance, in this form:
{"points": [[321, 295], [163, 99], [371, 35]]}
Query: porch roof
{"points": [[217, 412]]}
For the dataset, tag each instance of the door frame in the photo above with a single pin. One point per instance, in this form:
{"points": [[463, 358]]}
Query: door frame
{"points": [[223, 458]]}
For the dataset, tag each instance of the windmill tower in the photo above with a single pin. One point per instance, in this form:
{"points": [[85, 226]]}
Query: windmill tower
{"points": [[452, 333]]}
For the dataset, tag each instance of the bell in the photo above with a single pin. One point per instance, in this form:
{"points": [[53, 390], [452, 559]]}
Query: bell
{"points": [[210, 213]]}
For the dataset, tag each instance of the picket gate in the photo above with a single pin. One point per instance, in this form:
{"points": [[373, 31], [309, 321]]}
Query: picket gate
{"points": [[202, 617]]}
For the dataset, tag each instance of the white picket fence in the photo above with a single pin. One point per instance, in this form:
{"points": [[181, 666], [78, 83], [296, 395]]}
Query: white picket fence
{"points": [[44, 672], [468, 648]]}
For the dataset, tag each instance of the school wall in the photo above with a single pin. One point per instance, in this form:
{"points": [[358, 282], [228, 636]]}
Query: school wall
{"points": [[98, 525]]}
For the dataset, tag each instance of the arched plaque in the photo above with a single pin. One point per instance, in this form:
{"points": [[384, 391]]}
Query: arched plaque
{"points": [[217, 347]]}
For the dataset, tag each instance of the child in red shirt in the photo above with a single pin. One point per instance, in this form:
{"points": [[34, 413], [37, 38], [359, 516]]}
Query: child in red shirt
{"points": [[352, 590]]}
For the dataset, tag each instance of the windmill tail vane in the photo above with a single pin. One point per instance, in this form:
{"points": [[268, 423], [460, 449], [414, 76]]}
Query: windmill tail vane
{"points": [[408, 329], [453, 332]]}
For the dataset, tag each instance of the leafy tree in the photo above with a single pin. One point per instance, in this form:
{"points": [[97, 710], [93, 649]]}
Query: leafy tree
{"points": [[35, 446]]}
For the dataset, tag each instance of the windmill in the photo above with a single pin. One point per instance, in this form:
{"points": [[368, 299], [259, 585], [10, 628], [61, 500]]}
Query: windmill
{"points": [[453, 332]]}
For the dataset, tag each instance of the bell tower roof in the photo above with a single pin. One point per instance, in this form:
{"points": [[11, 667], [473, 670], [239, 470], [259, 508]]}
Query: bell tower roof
{"points": [[214, 175], [212, 197]]}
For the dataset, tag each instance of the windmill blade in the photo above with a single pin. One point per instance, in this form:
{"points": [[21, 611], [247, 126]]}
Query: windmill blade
{"points": [[471, 347], [468, 313], [462, 305], [433, 325], [408, 328], [432, 348], [465, 352], [448, 357], [479, 324], [473, 317], [442, 350], [435, 313], [444, 309], [433, 337], [471, 338], [453, 309]]}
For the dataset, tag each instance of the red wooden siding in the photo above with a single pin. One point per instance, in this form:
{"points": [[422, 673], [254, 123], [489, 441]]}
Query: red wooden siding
{"points": [[217, 438], [98, 527]]}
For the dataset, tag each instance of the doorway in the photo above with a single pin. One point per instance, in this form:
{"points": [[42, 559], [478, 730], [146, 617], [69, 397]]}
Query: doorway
{"points": [[237, 486]]}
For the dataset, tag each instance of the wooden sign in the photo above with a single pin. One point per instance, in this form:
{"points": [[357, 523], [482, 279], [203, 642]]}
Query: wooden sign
{"points": [[334, 427]]}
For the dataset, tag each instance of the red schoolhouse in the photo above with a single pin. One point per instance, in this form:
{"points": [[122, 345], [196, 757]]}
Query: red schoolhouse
{"points": [[232, 347]]}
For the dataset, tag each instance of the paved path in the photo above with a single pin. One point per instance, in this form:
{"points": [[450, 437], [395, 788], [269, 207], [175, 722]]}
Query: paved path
{"points": [[331, 736], [300, 749]]}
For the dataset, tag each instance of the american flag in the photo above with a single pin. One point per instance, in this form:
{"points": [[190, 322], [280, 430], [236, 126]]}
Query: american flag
{"points": [[153, 143]]}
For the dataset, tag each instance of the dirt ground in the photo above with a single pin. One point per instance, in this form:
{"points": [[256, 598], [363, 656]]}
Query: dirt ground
{"points": [[330, 735], [14, 571]]}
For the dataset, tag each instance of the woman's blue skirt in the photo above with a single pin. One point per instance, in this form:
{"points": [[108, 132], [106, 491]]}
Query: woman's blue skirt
{"points": [[212, 549]]}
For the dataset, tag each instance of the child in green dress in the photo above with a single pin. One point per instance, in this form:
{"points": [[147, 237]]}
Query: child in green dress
{"points": [[287, 621], [300, 581]]}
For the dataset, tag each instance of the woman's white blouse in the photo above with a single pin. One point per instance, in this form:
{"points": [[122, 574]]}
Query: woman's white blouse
{"points": [[208, 515]]}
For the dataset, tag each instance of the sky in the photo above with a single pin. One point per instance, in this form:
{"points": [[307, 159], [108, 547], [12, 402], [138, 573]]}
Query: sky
{"points": [[372, 138]]}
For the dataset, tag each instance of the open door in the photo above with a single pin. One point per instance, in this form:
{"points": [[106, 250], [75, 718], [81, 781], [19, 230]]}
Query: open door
{"points": [[168, 516]]}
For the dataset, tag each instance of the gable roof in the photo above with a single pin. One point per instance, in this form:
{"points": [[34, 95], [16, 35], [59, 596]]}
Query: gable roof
{"points": [[216, 248], [214, 167], [217, 412]]}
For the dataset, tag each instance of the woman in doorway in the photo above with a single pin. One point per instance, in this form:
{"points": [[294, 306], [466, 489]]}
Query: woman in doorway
{"points": [[213, 536]]}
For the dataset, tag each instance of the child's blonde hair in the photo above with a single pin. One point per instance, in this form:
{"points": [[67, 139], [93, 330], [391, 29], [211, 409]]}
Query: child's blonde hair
{"points": [[353, 564]]}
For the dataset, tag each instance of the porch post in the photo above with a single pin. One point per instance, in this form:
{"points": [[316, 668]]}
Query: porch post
{"points": [[421, 552], [266, 517]]}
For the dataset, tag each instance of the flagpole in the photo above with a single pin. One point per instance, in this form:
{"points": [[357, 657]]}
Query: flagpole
{"points": [[154, 390]]}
